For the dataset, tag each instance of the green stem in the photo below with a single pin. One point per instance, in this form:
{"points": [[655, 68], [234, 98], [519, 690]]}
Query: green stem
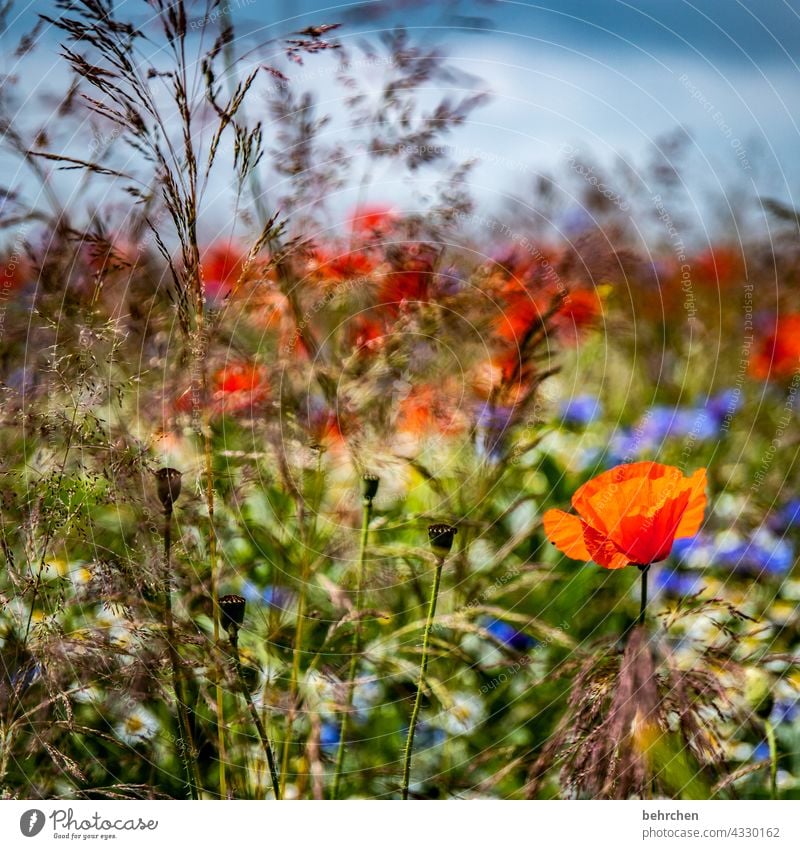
{"points": [[49, 533], [773, 758], [214, 580], [643, 603], [187, 751], [437, 577], [262, 732], [294, 681], [356, 650]]}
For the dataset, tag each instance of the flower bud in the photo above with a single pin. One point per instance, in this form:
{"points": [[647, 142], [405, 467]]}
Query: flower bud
{"points": [[369, 486], [231, 612], [758, 691], [168, 482], [441, 538]]}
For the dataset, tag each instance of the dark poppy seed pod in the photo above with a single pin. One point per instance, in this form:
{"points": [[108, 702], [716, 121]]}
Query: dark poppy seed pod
{"points": [[369, 486], [441, 537], [231, 612], [168, 482]]}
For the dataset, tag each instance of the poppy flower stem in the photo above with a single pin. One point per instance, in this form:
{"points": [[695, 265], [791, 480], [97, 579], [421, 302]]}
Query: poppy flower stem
{"points": [[186, 748], [294, 680], [423, 668], [643, 604], [773, 758], [355, 651], [262, 732]]}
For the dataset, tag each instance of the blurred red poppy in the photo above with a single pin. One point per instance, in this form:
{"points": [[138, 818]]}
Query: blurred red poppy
{"points": [[366, 334], [239, 387], [223, 267], [372, 218], [15, 271], [427, 409], [324, 429], [579, 311], [235, 388], [777, 354], [718, 266], [334, 264]]}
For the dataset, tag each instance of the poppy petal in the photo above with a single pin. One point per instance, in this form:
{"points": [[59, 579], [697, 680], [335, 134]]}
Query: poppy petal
{"points": [[565, 531], [647, 537], [695, 510], [603, 550], [605, 500]]}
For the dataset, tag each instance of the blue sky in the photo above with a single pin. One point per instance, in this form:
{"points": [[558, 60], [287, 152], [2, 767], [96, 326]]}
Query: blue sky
{"points": [[607, 78]]}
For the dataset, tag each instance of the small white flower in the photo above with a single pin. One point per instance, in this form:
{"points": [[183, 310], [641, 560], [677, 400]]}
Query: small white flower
{"points": [[88, 695], [463, 716], [138, 725]]}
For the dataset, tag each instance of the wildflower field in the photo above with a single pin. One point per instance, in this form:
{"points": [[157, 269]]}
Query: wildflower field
{"points": [[326, 477]]}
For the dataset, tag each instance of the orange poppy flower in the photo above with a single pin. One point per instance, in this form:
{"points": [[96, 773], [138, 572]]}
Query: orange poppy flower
{"points": [[777, 355], [630, 514]]}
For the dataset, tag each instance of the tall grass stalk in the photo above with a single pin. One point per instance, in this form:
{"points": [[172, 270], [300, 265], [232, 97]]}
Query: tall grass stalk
{"points": [[356, 646], [213, 579], [186, 746], [294, 680]]}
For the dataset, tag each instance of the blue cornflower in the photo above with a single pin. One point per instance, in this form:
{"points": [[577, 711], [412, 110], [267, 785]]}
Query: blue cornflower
{"points": [[492, 423], [678, 422], [508, 635], [581, 410], [762, 553], [273, 596], [675, 583], [700, 422], [785, 710], [25, 676], [722, 406], [428, 736], [623, 445], [786, 517], [329, 735], [694, 552]]}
